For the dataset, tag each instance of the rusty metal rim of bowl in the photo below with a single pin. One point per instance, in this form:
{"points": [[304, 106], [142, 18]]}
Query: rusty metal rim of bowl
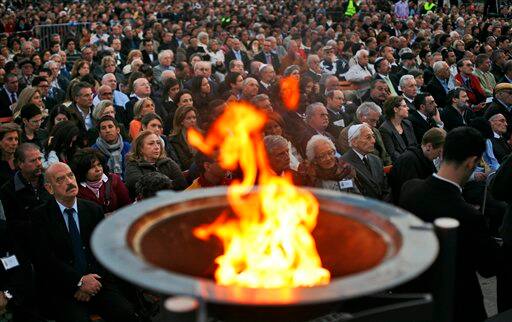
{"points": [[418, 251]]}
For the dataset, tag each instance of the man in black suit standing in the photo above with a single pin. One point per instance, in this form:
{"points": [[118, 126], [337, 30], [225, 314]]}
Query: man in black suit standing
{"points": [[73, 280], [439, 196], [236, 53], [8, 95], [266, 56], [425, 115], [458, 112], [370, 178]]}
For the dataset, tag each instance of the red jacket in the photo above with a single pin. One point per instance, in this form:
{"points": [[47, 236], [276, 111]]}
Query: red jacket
{"points": [[475, 91], [119, 196]]}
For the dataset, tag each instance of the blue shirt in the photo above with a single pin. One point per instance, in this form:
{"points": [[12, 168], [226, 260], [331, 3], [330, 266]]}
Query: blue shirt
{"points": [[65, 216]]}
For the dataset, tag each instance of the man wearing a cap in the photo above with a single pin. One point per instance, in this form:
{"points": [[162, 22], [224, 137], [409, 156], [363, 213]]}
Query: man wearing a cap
{"points": [[502, 104], [331, 64], [27, 73], [407, 63]]}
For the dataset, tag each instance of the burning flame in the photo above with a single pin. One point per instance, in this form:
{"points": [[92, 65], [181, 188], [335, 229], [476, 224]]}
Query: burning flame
{"points": [[268, 244], [290, 92]]}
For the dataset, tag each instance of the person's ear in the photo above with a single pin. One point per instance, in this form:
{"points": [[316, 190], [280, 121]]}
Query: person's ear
{"points": [[472, 162], [49, 188]]}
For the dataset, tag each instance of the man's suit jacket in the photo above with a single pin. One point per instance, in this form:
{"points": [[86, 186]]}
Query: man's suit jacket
{"points": [[54, 254], [435, 88], [371, 184], [419, 124], [501, 148], [230, 55], [5, 102], [393, 141], [333, 129], [434, 198], [262, 58], [314, 76], [497, 108], [452, 118], [147, 60]]}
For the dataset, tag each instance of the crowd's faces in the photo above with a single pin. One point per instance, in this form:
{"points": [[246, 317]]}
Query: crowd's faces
{"points": [[147, 107], [485, 66], [410, 88], [173, 91], [401, 111], [185, 101], [110, 67], [325, 155], [451, 59], [34, 123], [372, 118], [27, 70], [95, 172], [315, 65], [238, 67], [109, 132], [32, 166], [87, 54], [462, 102], [84, 70], [279, 158], [467, 67], [142, 88], [236, 44], [430, 105], [148, 46], [37, 99], [444, 73], [62, 182], [337, 100], [499, 124], [155, 126], [380, 92], [190, 120], [251, 88], [116, 45], [320, 119], [71, 47], [384, 67], [9, 142], [84, 98], [205, 86], [308, 89], [105, 93], [166, 60], [110, 81], [151, 148], [365, 142], [267, 46], [268, 74], [43, 87], [272, 128]]}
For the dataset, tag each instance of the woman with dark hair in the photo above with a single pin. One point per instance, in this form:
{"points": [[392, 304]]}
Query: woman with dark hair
{"points": [[201, 93], [80, 68], [275, 126], [148, 155], [31, 118], [96, 183], [169, 106], [184, 119], [232, 84], [308, 92], [184, 99], [397, 132], [9, 141], [62, 143]]}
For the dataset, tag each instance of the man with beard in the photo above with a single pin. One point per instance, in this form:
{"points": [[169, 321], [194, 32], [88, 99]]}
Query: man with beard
{"points": [[425, 115], [74, 283], [458, 113]]}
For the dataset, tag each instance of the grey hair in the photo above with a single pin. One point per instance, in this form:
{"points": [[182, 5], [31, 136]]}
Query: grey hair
{"points": [[104, 77], [202, 63], [272, 142], [247, 80], [357, 132], [290, 69], [98, 110], [494, 117], [310, 59], [366, 107], [361, 52], [404, 79], [165, 52], [271, 38], [203, 34], [438, 65], [315, 139], [311, 108], [258, 98]]}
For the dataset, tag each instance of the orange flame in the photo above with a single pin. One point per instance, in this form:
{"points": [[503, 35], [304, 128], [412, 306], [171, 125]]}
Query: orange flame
{"points": [[269, 243], [290, 92]]}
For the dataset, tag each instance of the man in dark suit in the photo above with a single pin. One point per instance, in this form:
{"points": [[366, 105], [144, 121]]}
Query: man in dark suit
{"points": [[370, 178], [314, 70], [266, 56], [267, 76], [73, 280], [501, 105], [236, 53], [439, 85], [149, 56], [458, 113], [500, 146], [425, 115], [417, 161], [8, 95], [317, 121], [439, 196], [338, 116]]}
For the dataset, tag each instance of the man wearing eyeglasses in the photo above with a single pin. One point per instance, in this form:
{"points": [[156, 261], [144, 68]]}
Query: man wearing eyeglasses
{"points": [[502, 104], [471, 84]]}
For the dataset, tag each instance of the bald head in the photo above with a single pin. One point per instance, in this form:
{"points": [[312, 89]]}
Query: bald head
{"points": [[110, 80], [61, 183]]}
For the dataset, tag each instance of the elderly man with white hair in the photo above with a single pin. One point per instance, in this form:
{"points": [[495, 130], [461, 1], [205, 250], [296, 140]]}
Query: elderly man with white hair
{"points": [[317, 121], [371, 180], [119, 98], [441, 84], [362, 72], [408, 87], [267, 78], [165, 58]]}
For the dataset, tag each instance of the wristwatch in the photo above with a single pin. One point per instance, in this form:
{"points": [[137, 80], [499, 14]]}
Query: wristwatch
{"points": [[80, 283], [7, 295]]}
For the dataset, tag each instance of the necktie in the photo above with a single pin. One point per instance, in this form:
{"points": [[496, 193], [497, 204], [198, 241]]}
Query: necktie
{"points": [[367, 164], [269, 59], [13, 98], [80, 263], [390, 86]]}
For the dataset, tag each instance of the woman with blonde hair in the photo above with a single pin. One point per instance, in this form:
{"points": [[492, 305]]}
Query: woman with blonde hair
{"points": [[141, 108], [184, 119], [104, 107], [29, 95], [148, 155]]}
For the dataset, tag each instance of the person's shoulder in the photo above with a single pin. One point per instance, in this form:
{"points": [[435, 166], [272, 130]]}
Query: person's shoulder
{"points": [[88, 205]]}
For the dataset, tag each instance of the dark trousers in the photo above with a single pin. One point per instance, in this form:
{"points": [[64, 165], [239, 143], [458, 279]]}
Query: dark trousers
{"points": [[109, 303], [504, 280]]}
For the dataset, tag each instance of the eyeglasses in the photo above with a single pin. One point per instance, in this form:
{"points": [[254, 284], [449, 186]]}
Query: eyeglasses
{"points": [[468, 65], [36, 122], [326, 155]]}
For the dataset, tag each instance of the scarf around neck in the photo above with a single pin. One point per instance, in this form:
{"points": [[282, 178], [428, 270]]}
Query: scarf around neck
{"points": [[113, 153]]}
